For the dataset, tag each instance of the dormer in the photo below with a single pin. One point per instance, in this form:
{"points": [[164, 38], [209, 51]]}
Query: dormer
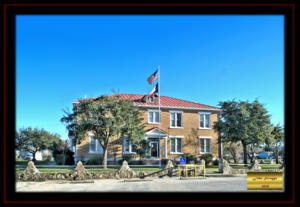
{"points": [[148, 99]]}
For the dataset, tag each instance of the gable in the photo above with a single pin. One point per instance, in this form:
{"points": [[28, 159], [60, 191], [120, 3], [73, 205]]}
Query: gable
{"points": [[156, 132]]}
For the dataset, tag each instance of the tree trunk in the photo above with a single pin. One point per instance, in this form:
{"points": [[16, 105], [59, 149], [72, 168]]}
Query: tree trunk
{"points": [[64, 157], [245, 152], [33, 156], [276, 155], [236, 159], [105, 158], [252, 154]]}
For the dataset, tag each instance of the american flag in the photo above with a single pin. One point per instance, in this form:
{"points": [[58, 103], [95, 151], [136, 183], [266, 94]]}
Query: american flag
{"points": [[153, 77]]}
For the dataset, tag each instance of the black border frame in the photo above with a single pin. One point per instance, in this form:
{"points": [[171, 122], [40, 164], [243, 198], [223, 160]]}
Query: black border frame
{"points": [[10, 196]]}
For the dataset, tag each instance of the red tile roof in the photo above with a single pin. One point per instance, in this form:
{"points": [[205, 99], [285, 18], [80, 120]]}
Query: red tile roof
{"points": [[165, 101]]}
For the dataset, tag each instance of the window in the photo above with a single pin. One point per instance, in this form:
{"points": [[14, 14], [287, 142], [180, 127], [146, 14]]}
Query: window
{"points": [[204, 120], [95, 146], [152, 99], [176, 119], [128, 148], [153, 116], [204, 145], [176, 145]]}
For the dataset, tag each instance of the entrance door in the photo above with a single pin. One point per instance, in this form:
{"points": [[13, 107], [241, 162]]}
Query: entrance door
{"points": [[154, 149]]}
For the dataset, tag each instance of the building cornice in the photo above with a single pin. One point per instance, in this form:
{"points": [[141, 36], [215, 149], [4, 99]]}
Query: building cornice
{"points": [[174, 107]]}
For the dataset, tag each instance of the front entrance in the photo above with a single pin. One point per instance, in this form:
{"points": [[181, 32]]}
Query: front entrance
{"points": [[154, 144], [154, 149]]}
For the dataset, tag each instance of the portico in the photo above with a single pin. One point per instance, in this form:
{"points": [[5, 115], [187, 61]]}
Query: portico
{"points": [[154, 135]]}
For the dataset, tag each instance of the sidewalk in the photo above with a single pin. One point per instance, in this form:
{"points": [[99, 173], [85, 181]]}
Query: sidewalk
{"points": [[166, 184]]}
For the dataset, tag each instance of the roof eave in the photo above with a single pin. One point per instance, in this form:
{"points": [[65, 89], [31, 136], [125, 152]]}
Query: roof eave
{"points": [[176, 107]]}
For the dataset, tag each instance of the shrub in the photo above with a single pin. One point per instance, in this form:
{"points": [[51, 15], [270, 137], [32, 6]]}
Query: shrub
{"points": [[59, 159], [227, 158], [128, 158], [94, 161], [69, 158], [189, 157], [216, 162], [207, 158]]}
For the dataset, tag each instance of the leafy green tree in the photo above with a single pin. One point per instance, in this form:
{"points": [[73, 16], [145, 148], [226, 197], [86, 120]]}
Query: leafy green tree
{"points": [[234, 148], [61, 153], [143, 148], [34, 140], [275, 140], [106, 117], [242, 121]]}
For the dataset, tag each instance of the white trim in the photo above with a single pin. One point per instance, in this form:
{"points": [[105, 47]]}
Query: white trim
{"points": [[175, 137], [154, 116], [160, 134], [96, 144], [205, 138], [204, 120], [129, 147], [174, 107], [176, 112], [200, 112], [155, 110], [171, 136], [157, 148]]}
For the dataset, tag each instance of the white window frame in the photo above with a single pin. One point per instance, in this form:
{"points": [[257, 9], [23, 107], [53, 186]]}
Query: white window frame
{"points": [[130, 146], [97, 146], [205, 144], [176, 137], [176, 112], [154, 116], [204, 113]]}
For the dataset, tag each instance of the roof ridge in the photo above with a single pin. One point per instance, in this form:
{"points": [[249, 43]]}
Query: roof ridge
{"points": [[129, 94], [190, 101]]}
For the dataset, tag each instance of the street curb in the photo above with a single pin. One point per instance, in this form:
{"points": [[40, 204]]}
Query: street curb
{"points": [[136, 180]]}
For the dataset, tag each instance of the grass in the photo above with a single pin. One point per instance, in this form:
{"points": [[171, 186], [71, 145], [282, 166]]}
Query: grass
{"points": [[42, 162], [268, 166], [51, 170], [213, 168]]}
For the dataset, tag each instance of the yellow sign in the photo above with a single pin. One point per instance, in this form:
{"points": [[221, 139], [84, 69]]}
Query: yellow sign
{"points": [[264, 181]]}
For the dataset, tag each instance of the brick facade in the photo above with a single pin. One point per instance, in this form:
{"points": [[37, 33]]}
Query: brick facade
{"points": [[190, 133]]}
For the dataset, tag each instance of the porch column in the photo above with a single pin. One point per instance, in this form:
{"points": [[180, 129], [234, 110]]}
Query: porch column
{"points": [[166, 148]]}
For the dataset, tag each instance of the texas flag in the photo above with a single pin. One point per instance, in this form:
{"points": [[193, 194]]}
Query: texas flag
{"points": [[153, 77], [153, 91]]}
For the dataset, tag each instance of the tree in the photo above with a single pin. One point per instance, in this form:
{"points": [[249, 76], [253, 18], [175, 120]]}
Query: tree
{"points": [[143, 148], [62, 154], [242, 121], [193, 140], [234, 148], [34, 140], [275, 140], [106, 117]]}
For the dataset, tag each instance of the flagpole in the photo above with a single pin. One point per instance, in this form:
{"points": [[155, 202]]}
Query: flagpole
{"points": [[159, 112]]}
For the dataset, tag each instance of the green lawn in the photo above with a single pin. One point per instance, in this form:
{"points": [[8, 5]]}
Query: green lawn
{"points": [[51, 170], [268, 166], [42, 162], [213, 168]]}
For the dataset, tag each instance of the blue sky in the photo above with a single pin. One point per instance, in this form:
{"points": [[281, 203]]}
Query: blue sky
{"points": [[203, 58]]}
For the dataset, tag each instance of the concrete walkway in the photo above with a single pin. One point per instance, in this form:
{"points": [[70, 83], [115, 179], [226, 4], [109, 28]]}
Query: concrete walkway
{"points": [[174, 184]]}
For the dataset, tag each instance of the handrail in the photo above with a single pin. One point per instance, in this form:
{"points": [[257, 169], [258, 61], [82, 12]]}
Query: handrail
{"points": [[143, 176]]}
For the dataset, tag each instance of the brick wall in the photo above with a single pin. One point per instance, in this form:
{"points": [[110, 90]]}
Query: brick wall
{"points": [[190, 132]]}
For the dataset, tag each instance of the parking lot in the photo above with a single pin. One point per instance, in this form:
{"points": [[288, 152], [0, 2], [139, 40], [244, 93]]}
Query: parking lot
{"points": [[174, 184]]}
